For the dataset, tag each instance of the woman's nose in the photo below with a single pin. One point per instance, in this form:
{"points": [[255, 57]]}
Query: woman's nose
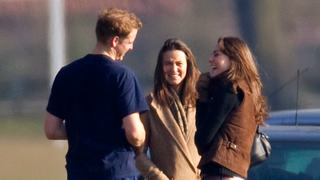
{"points": [[174, 67]]}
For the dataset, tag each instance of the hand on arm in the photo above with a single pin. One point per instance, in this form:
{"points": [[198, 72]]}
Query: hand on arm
{"points": [[202, 86], [148, 169], [143, 163], [138, 150], [54, 128], [134, 129]]}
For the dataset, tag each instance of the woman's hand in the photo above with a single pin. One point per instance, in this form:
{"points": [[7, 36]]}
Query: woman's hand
{"points": [[138, 150], [202, 86]]}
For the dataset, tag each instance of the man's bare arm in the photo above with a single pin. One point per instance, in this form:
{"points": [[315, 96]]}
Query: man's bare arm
{"points": [[134, 129], [54, 128]]}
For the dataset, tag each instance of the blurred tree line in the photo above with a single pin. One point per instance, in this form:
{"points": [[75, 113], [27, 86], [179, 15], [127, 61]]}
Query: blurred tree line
{"points": [[283, 35]]}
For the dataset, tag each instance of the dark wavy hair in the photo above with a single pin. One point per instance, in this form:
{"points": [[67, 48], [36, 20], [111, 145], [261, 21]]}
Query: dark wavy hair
{"points": [[161, 89], [243, 67]]}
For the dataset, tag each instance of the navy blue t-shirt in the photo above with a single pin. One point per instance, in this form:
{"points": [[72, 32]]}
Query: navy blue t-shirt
{"points": [[93, 95]]}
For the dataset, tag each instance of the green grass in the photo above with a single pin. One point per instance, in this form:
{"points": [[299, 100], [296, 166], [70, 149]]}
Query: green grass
{"points": [[26, 154], [17, 126]]}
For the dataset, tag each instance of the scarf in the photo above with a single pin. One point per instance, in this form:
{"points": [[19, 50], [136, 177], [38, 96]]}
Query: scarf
{"points": [[179, 113]]}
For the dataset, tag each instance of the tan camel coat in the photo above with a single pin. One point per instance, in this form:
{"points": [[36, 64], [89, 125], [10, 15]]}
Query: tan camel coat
{"points": [[172, 157]]}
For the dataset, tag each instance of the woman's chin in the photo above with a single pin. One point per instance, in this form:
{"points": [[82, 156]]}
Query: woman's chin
{"points": [[212, 74]]}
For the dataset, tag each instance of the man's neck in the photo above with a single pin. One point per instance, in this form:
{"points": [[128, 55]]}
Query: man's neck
{"points": [[104, 50]]}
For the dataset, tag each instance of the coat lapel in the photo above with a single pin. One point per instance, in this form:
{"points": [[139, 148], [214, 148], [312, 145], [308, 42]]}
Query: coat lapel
{"points": [[191, 123], [168, 120]]}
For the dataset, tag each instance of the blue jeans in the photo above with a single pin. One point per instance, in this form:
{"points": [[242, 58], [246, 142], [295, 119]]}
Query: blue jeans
{"points": [[75, 176], [129, 178]]}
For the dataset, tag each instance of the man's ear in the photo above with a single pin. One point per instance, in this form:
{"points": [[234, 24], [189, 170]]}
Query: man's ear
{"points": [[115, 41]]}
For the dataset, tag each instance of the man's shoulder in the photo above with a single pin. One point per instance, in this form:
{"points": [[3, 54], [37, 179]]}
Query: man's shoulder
{"points": [[122, 71], [121, 67], [75, 63], [106, 63]]}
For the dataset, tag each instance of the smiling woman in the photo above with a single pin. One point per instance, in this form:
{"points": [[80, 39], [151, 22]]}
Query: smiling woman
{"points": [[170, 123], [219, 62], [229, 110], [174, 67]]}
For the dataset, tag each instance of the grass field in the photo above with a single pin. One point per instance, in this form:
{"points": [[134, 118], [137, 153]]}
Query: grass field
{"points": [[25, 153]]}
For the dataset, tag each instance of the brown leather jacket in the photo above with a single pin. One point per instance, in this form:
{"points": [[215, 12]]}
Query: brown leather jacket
{"points": [[232, 144]]}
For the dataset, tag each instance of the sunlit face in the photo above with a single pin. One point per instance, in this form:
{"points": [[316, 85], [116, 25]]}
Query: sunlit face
{"points": [[125, 45], [174, 67], [219, 62]]}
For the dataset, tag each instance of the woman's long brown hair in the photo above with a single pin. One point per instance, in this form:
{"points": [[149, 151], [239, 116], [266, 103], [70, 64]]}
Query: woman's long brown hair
{"points": [[243, 67], [161, 89]]}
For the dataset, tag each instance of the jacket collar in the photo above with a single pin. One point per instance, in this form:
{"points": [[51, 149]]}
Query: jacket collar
{"points": [[168, 121]]}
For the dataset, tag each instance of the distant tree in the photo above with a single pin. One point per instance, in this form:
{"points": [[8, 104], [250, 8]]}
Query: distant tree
{"points": [[259, 23]]}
